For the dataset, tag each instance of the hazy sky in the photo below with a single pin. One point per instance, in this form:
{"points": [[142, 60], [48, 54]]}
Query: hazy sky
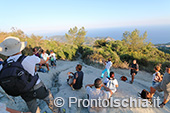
{"points": [[43, 16]]}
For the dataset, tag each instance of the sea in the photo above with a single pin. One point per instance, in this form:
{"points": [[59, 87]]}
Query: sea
{"points": [[157, 34]]}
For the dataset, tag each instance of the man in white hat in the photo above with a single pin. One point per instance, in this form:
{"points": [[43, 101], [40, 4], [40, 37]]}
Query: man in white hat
{"points": [[12, 48]]}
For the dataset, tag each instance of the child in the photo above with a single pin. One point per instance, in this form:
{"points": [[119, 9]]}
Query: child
{"points": [[70, 76], [52, 61]]}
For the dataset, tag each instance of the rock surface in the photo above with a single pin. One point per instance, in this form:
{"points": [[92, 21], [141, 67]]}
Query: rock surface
{"points": [[55, 80]]}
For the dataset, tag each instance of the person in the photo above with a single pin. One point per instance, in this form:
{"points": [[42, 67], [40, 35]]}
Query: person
{"points": [[108, 65], [1, 61], [156, 75], [52, 59], [111, 82], [12, 47], [45, 56], [96, 93], [163, 86], [76, 81], [134, 70], [36, 52]]}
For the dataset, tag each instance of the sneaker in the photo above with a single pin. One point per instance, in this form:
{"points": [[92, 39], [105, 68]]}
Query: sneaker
{"points": [[161, 105], [131, 82]]}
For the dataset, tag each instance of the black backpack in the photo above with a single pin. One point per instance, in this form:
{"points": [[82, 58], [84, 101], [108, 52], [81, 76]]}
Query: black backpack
{"points": [[14, 79]]}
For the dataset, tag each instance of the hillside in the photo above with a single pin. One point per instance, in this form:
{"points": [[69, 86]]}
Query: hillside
{"points": [[164, 47], [163, 44], [88, 40]]}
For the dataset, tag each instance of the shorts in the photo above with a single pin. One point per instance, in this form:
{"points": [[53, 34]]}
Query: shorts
{"points": [[153, 83], [133, 71], [166, 95]]}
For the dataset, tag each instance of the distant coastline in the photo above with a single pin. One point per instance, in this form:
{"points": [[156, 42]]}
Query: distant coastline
{"points": [[156, 34]]}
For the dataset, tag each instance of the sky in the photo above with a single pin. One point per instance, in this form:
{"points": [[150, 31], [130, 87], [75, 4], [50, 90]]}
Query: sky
{"points": [[58, 16]]}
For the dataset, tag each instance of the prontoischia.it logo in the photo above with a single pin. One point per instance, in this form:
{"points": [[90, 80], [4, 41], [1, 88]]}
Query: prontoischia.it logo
{"points": [[112, 102]]}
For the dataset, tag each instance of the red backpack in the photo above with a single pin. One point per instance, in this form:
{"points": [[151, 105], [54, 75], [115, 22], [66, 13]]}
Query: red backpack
{"points": [[123, 78]]}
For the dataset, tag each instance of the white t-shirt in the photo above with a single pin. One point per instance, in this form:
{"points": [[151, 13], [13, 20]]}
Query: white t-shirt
{"points": [[28, 63], [96, 94], [108, 65], [155, 76], [44, 56], [53, 55], [108, 82]]}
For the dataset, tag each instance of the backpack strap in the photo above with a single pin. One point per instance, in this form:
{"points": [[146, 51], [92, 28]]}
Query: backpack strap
{"points": [[5, 62], [21, 58]]}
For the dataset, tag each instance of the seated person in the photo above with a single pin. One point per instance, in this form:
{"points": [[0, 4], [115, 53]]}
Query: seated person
{"points": [[97, 93], [164, 86], [45, 57], [1, 61], [111, 82], [156, 76], [76, 81]]}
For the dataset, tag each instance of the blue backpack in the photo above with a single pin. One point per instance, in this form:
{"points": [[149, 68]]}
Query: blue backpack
{"points": [[14, 79]]}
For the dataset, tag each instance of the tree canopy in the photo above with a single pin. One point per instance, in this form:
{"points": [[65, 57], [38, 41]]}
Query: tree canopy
{"points": [[76, 36], [133, 40]]}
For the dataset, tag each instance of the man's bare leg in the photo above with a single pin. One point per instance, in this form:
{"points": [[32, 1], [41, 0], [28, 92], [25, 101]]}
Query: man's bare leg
{"points": [[133, 76]]}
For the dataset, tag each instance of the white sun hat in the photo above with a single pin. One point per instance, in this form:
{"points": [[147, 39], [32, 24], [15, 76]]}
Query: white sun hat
{"points": [[11, 45]]}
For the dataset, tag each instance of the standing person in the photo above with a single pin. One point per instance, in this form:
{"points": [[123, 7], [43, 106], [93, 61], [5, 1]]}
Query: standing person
{"points": [[134, 70], [108, 65], [76, 81], [163, 86], [18, 76], [156, 75], [52, 58], [36, 52], [45, 56], [111, 82], [97, 93]]}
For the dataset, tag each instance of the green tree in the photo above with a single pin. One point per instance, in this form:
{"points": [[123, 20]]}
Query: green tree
{"points": [[76, 36], [36, 40], [71, 36], [133, 40], [80, 37]]}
